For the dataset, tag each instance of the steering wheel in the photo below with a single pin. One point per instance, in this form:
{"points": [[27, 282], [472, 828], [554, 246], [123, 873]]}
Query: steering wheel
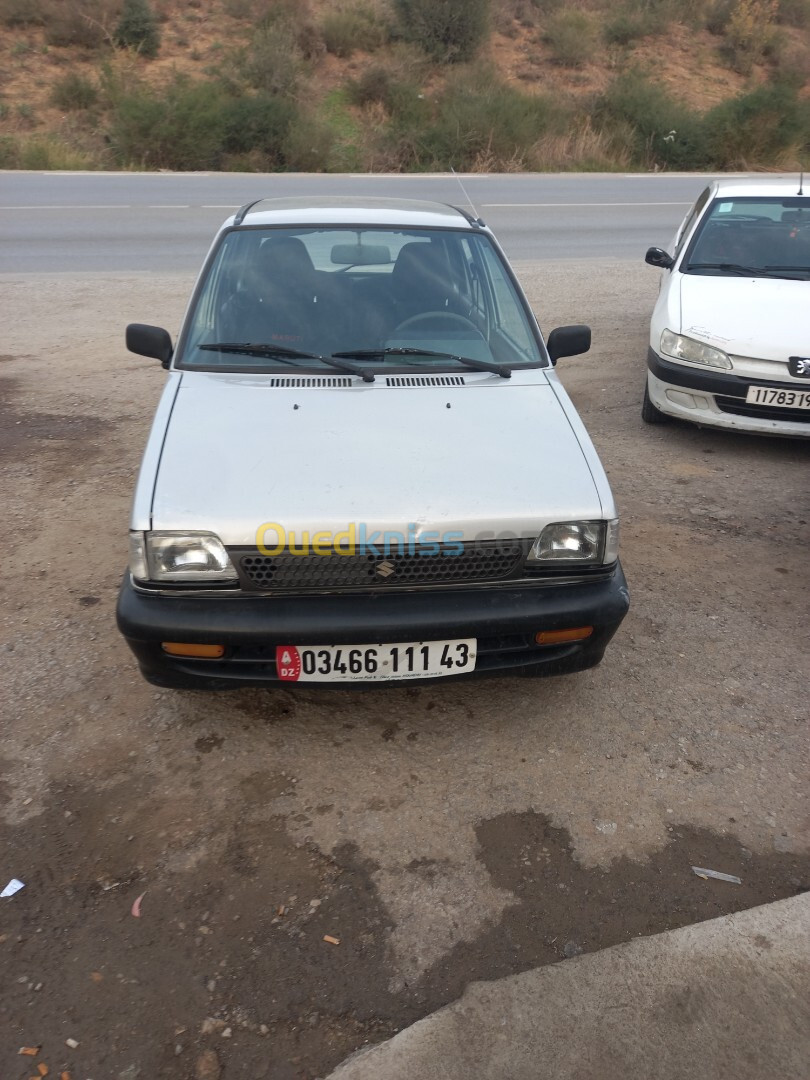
{"points": [[436, 316]]}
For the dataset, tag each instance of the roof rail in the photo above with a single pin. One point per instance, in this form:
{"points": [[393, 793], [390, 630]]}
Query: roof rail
{"points": [[242, 212]]}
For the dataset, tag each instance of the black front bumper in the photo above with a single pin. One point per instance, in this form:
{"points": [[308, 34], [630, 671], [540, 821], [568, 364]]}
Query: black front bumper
{"points": [[504, 620]]}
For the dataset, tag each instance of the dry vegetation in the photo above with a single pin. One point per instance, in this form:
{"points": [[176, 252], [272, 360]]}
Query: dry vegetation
{"points": [[404, 84]]}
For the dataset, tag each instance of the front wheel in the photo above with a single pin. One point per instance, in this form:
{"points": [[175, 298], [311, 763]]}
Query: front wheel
{"points": [[649, 413]]}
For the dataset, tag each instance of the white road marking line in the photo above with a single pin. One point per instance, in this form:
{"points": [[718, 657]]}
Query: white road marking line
{"points": [[231, 206], [35, 207], [554, 205], [132, 206]]}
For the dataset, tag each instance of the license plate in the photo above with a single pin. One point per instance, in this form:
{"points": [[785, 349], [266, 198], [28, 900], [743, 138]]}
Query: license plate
{"points": [[375, 663], [785, 399]]}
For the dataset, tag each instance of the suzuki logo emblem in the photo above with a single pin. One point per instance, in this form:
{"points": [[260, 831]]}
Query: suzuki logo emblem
{"points": [[386, 569]]}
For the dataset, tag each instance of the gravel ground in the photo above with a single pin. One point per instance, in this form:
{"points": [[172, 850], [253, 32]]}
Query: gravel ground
{"points": [[441, 834]]}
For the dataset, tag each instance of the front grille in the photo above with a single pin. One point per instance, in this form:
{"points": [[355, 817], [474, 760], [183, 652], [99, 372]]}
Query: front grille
{"points": [[493, 561], [741, 407]]}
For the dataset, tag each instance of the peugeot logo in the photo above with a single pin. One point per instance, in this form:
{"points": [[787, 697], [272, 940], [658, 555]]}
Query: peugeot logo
{"points": [[386, 569], [799, 366]]}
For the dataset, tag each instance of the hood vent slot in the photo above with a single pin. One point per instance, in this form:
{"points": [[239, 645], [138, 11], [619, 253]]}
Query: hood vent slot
{"points": [[326, 382], [424, 380]]}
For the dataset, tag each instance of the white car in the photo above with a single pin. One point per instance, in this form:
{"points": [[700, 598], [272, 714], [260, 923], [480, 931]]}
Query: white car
{"points": [[730, 333], [363, 467]]}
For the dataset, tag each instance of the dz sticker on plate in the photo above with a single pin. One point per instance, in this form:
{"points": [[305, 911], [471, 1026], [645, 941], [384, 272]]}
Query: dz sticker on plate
{"points": [[375, 663]]}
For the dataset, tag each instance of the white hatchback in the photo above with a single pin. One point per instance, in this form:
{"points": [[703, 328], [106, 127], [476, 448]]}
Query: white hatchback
{"points": [[363, 467], [730, 333]]}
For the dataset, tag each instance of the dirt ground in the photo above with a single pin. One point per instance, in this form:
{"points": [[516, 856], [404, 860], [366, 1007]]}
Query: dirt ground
{"points": [[441, 834]]}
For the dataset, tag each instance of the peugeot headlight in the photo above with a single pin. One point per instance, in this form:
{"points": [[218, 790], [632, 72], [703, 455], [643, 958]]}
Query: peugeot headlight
{"points": [[582, 542], [170, 556], [696, 352]]}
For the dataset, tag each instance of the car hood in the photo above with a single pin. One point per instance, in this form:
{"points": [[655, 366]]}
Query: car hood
{"points": [[766, 318], [490, 455]]}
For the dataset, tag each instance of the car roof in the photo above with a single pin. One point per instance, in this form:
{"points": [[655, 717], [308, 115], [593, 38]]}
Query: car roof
{"points": [[354, 210], [780, 188]]}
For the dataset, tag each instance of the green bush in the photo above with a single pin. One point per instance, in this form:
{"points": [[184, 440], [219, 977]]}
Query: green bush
{"points": [[200, 124], [750, 36], [42, 153], [755, 128], [308, 146], [74, 92], [570, 36], [624, 28], [258, 125], [375, 84], [481, 122], [794, 13], [658, 131], [401, 99], [182, 127], [272, 60], [73, 24], [449, 30], [21, 12], [137, 28], [351, 27], [717, 16]]}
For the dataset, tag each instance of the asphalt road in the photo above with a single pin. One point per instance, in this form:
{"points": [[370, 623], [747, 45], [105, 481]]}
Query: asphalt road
{"points": [[160, 222]]}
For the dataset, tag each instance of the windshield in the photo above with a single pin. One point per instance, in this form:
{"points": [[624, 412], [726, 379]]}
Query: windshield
{"points": [[390, 299], [757, 237]]}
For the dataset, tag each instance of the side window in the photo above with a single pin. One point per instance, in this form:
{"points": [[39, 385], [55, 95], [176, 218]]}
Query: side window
{"points": [[689, 221]]}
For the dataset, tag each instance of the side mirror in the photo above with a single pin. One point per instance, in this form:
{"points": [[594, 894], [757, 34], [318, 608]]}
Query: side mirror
{"points": [[568, 341], [151, 341], [660, 258]]}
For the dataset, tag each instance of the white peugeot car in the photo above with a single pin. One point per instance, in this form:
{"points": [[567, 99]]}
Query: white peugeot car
{"points": [[730, 333], [363, 467]]}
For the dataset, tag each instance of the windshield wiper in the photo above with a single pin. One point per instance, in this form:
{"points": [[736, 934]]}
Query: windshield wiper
{"points": [[281, 352], [503, 370], [746, 271], [801, 269]]}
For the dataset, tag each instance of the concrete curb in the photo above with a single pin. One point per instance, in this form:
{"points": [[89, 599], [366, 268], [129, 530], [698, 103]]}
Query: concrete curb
{"points": [[727, 999]]}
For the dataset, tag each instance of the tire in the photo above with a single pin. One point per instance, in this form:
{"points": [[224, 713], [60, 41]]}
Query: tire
{"points": [[649, 413]]}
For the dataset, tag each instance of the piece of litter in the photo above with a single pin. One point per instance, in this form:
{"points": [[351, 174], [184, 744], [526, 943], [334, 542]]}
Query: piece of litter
{"points": [[331, 940], [703, 873], [29, 1051], [13, 886], [72, 1044], [43, 1069], [64, 1076], [281, 910], [136, 907]]}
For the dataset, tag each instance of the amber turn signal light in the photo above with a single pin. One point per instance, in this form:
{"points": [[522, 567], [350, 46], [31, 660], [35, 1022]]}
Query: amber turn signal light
{"points": [[560, 637], [200, 652]]}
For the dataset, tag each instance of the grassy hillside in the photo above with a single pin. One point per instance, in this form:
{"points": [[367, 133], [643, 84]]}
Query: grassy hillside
{"points": [[404, 84]]}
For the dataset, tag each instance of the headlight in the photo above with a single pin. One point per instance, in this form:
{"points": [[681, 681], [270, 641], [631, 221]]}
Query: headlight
{"points": [[686, 348], [169, 556], [589, 542]]}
